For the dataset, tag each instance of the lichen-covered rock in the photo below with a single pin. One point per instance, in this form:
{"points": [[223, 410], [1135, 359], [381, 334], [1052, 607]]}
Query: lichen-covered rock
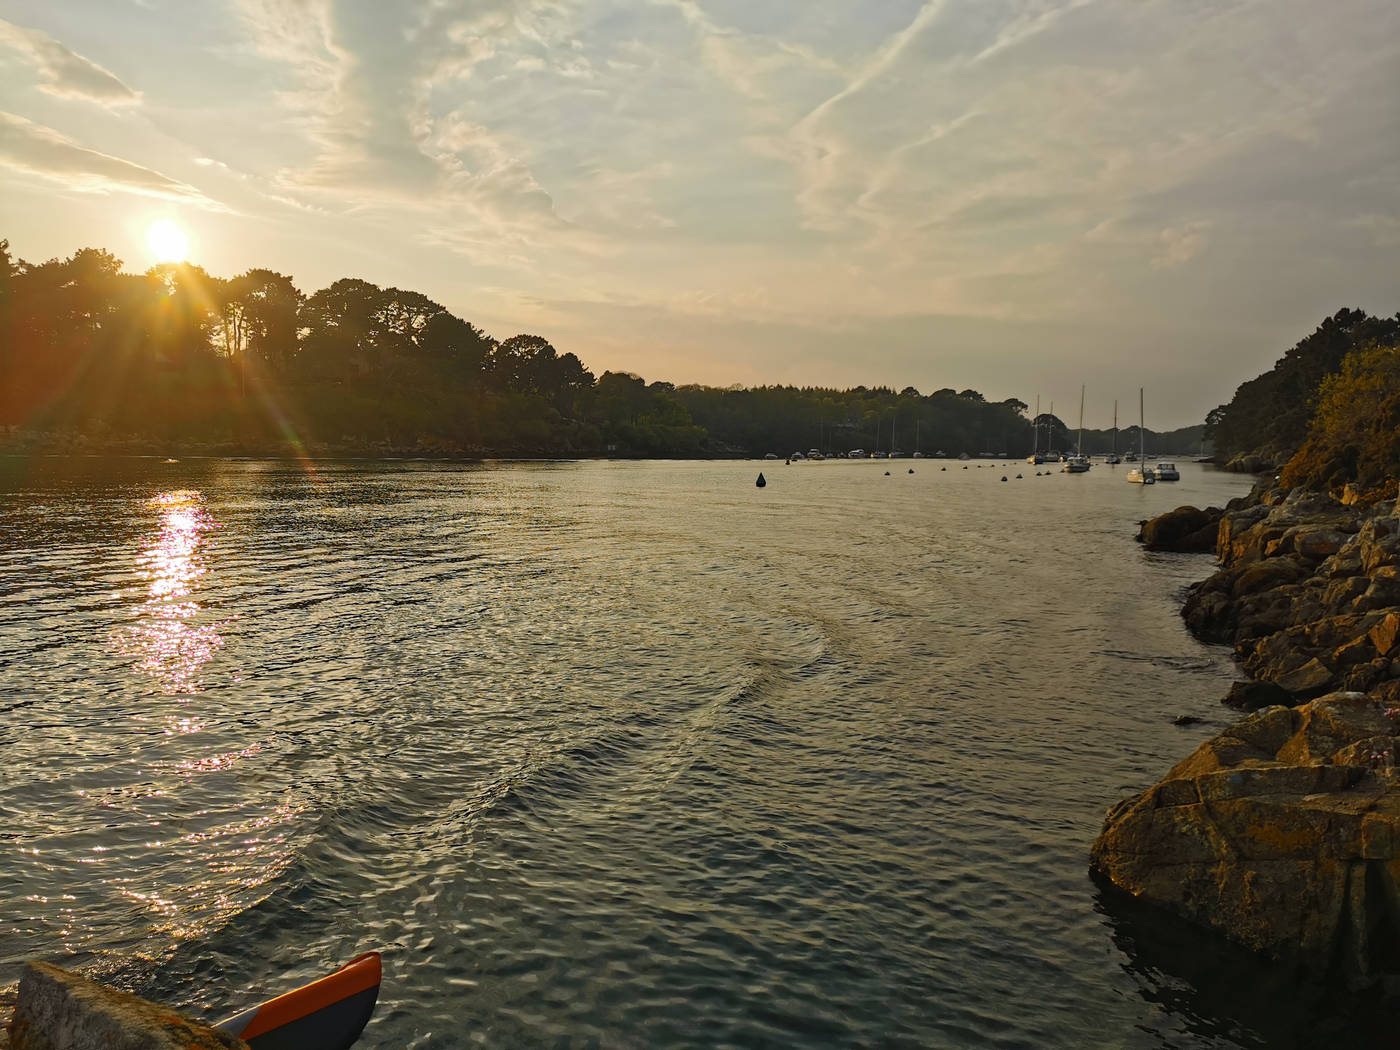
{"points": [[1283, 833], [58, 1010]]}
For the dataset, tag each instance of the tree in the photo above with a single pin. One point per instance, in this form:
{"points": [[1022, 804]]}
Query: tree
{"points": [[260, 312]]}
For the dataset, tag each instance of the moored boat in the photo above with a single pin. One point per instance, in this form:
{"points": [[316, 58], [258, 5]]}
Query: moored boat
{"points": [[1141, 474], [1077, 462], [1166, 471]]}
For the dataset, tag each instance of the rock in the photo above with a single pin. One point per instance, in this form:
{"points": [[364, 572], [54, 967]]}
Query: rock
{"points": [[58, 1010], [1315, 542], [1283, 833], [1386, 634], [1233, 525], [1312, 679], [1253, 694], [1381, 595], [1378, 544], [1184, 529], [1267, 574], [1209, 615], [1357, 651], [1340, 593]]}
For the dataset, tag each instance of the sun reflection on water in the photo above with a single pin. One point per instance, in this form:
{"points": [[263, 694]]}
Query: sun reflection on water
{"points": [[167, 639]]}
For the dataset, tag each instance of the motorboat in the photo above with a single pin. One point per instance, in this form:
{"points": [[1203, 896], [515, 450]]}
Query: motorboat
{"points": [[1166, 471]]}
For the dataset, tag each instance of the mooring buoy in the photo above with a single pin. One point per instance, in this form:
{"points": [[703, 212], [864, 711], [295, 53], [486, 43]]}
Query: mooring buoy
{"points": [[761, 480]]}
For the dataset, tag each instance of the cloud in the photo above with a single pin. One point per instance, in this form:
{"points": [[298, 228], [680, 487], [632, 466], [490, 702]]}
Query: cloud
{"points": [[65, 73], [38, 150], [1179, 244]]}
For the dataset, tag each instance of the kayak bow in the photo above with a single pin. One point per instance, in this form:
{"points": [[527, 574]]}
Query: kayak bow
{"points": [[328, 1014]]}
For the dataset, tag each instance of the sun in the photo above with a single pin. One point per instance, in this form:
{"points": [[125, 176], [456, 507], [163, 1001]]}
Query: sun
{"points": [[167, 242]]}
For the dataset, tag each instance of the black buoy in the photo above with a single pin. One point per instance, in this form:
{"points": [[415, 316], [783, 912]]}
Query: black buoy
{"points": [[964, 466], [1018, 477], [911, 470], [1003, 477], [887, 473], [787, 462], [761, 480]]}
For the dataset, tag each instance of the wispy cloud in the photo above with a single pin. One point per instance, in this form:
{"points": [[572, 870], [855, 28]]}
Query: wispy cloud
{"points": [[32, 148], [65, 73]]}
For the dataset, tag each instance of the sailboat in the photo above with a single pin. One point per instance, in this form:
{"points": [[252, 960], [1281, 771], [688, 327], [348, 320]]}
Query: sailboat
{"points": [[1113, 457], [1078, 463], [1036, 458], [1142, 473]]}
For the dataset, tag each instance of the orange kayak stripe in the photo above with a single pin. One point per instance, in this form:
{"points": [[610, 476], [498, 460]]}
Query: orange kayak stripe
{"points": [[358, 975]]}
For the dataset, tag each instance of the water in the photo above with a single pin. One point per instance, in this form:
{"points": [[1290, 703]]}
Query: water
{"points": [[606, 754]]}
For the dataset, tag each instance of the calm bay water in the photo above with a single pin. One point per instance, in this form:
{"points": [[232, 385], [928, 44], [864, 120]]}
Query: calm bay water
{"points": [[607, 754]]}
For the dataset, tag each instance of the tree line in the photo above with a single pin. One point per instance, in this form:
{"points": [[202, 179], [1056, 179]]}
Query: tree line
{"points": [[177, 356]]}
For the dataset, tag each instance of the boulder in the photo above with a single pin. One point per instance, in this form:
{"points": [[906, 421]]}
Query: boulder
{"points": [[1379, 543], [1315, 542], [1185, 529], [1385, 635], [1311, 679], [1357, 651], [58, 1010], [1252, 695], [1283, 833], [1267, 574]]}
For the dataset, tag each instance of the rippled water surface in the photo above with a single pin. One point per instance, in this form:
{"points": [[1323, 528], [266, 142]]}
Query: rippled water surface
{"points": [[601, 754]]}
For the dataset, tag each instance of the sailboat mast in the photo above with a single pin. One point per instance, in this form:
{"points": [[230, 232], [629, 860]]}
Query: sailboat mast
{"points": [[1142, 437], [1079, 445], [1115, 427]]}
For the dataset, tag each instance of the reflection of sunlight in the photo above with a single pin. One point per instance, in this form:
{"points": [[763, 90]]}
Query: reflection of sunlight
{"points": [[167, 640]]}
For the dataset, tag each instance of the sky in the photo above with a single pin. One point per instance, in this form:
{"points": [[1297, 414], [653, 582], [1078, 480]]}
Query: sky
{"points": [[1017, 196]]}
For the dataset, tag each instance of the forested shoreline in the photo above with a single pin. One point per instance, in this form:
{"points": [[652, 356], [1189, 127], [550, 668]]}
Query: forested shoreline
{"points": [[176, 359]]}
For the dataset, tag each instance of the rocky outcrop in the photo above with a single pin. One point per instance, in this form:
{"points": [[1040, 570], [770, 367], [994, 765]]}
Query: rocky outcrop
{"points": [[58, 1010], [1185, 529], [1304, 581], [1283, 833]]}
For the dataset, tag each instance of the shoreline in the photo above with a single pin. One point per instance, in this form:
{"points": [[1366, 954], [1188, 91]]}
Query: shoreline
{"points": [[1283, 831]]}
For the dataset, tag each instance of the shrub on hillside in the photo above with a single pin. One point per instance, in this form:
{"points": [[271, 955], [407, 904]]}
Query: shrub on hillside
{"points": [[1354, 437]]}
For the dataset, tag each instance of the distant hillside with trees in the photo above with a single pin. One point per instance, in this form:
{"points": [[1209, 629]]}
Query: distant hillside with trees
{"points": [[175, 358]]}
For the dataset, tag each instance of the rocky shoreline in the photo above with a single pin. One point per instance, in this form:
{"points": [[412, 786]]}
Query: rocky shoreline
{"points": [[1283, 832]]}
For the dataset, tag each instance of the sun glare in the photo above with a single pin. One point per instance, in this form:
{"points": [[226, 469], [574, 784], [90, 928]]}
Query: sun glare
{"points": [[167, 241]]}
